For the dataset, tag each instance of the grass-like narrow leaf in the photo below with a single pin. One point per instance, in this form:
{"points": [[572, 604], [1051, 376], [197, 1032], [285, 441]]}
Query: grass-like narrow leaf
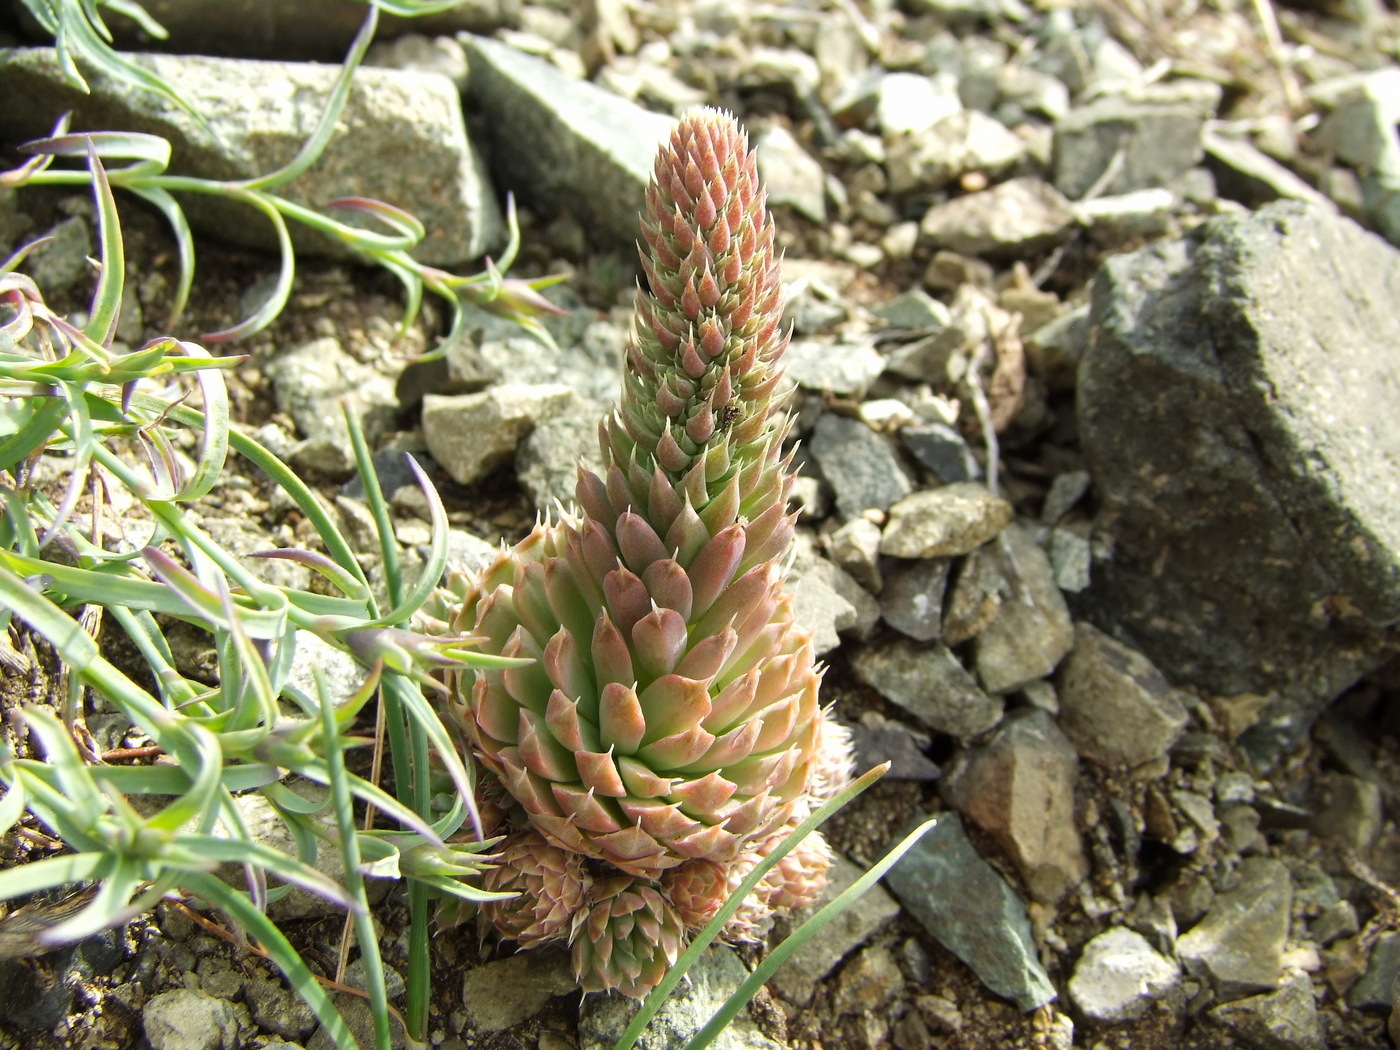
{"points": [[804, 933], [179, 224], [265, 314], [278, 949], [705, 937], [51, 872], [315, 144], [107, 299], [344, 812]]}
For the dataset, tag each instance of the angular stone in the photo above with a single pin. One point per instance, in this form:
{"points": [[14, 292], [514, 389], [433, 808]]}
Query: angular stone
{"points": [[941, 449], [1157, 142], [859, 464], [929, 683], [1235, 413], [856, 548], [1119, 975], [791, 175], [313, 381], [970, 910], [844, 369], [944, 522], [1019, 216], [1239, 944], [589, 151], [968, 141], [1114, 705], [912, 598], [474, 434], [1031, 630], [259, 115], [184, 1019], [1283, 1020], [1019, 788], [508, 992]]}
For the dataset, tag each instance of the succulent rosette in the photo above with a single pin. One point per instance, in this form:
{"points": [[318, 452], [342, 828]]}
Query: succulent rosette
{"points": [[630, 936], [666, 716], [550, 885]]}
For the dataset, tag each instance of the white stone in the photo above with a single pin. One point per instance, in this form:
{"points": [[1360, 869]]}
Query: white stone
{"points": [[1119, 975]]}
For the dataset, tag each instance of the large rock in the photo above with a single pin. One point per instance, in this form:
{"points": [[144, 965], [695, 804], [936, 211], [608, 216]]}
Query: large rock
{"points": [[260, 114], [563, 143], [1236, 405]]}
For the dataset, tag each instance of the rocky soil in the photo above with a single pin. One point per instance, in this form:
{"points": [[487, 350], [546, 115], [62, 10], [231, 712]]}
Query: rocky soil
{"points": [[1095, 357]]}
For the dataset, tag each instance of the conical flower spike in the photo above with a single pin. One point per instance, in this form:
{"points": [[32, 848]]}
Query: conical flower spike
{"points": [[668, 719]]}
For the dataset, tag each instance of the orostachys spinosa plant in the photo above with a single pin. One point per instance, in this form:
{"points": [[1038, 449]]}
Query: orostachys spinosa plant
{"points": [[666, 732]]}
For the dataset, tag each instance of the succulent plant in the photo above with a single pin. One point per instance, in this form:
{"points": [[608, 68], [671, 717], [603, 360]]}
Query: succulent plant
{"points": [[550, 886], [667, 721]]}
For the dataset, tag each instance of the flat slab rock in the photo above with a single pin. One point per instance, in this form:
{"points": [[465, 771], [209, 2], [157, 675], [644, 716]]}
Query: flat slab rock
{"points": [[1237, 408], [261, 113]]}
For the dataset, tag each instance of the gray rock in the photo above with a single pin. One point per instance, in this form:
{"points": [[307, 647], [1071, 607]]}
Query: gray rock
{"points": [[843, 369], [339, 670], [183, 1019], [914, 310], [1374, 990], [1065, 491], [243, 537], [1015, 217], [715, 976], [929, 683], [468, 554], [590, 151], [546, 464], [817, 606], [260, 114], [473, 434], [442, 55], [970, 910], [797, 980], [855, 546], [1239, 944], [859, 464], [868, 982], [1233, 415], [1019, 788], [1119, 975], [879, 739], [791, 175], [1124, 216], [1283, 1020], [912, 599], [63, 261], [313, 381], [944, 522], [1248, 174], [508, 992], [963, 142], [1114, 704], [942, 450], [1031, 630], [359, 1018], [1072, 556], [1349, 809], [278, 1008], [1157, 143]]}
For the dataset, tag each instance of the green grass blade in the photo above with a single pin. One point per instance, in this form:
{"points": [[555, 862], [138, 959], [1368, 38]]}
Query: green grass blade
{"points": [[705, 937], [313, 147], [800, 936], [164, 203], [344, 812], [46, 874], [279, 950]]}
